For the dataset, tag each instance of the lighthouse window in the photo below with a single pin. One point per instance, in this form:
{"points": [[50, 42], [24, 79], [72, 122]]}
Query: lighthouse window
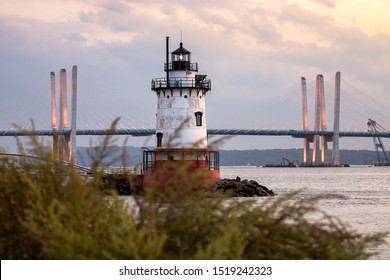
{"points": [[159, 139], [198, 118]]}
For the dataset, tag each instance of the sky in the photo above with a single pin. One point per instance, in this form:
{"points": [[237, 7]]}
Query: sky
{"points": [[254, 52]]}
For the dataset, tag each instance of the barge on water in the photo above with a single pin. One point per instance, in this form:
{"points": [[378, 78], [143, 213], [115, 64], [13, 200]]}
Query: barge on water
{"points": [[285, 163], [294, 163]]}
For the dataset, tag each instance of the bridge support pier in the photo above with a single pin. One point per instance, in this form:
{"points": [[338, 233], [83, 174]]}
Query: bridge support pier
{"points": [[64, 142], [320, 143], [336, 127], [64, 146], [73, 151], [53, 113], [306, 141], [324, 143], [317, 118]]}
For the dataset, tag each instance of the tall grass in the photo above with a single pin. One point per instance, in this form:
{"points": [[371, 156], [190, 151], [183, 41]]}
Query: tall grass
{"points": [[49, 211]]}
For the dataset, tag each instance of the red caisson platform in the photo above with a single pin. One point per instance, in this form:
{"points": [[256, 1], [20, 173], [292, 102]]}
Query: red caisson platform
{"points": [[161, 166]]}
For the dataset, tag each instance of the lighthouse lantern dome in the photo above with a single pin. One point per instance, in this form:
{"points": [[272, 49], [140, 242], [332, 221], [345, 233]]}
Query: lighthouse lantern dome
{"points": [[181, 59]]}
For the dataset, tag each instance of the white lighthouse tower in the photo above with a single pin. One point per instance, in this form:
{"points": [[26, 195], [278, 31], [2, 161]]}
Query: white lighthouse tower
{"points": [[181, 131]]}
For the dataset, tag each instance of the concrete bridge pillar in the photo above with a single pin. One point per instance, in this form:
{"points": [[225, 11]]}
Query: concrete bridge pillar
{"points": [[53, 114], [320, 143], [73, 151], [317, 119], [306, 142], [336, 128], [64, 146], [63, 125], [324, 143]]}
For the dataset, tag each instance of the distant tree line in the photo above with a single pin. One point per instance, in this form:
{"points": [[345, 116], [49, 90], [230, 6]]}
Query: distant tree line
{"points": [[241, 157]]}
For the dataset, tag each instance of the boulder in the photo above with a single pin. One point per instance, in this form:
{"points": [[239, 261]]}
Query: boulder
{"points": [[242, 188]]}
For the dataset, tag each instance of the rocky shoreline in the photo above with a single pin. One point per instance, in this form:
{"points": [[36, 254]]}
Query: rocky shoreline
{"points": [[230, 187], [242, 188]]}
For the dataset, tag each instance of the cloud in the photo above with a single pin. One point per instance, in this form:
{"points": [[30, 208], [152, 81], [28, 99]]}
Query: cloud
{"points": [[254, 52], [326, 3]]}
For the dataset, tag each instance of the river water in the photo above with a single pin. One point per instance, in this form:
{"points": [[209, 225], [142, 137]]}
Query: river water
{"points": [[366, 209]]}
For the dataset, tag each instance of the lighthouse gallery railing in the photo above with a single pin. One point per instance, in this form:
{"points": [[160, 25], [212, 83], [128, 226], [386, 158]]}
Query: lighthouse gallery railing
{"points": [[160, 83]]}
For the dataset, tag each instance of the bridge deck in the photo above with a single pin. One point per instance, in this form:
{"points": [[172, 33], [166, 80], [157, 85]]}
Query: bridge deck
{"points": [[148, 132]]}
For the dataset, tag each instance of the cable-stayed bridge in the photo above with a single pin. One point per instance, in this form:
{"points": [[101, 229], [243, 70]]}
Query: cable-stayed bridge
{"points": [[232, 132], [320, 135]]}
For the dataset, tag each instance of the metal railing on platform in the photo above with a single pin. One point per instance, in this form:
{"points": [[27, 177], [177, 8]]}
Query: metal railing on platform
{"points": [[160, 83]]}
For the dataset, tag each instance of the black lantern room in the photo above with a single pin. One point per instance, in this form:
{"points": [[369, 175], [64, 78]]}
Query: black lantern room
{"points": [[181, 59]]}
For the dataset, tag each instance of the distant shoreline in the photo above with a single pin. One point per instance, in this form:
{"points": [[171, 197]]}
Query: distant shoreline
{"points": [[253, 157]]}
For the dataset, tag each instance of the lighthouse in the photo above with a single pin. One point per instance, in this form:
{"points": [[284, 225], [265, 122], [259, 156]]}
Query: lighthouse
{"points": [[181, 131]]}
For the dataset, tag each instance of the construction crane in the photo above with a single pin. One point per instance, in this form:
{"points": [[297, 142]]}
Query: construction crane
{"points": [[290, 163], [381, 155]]}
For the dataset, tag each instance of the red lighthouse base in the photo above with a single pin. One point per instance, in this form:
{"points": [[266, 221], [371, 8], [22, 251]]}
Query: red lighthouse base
{"points": [[164, 167]]}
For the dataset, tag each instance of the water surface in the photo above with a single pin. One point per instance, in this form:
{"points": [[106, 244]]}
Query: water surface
{"points": [[366, 209]]}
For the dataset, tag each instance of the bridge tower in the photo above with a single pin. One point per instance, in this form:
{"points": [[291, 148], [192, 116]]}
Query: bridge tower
{"points": [[320, 143], [64, 145], [181, 131], [336, 125], [305, 115], [53, 114]]}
